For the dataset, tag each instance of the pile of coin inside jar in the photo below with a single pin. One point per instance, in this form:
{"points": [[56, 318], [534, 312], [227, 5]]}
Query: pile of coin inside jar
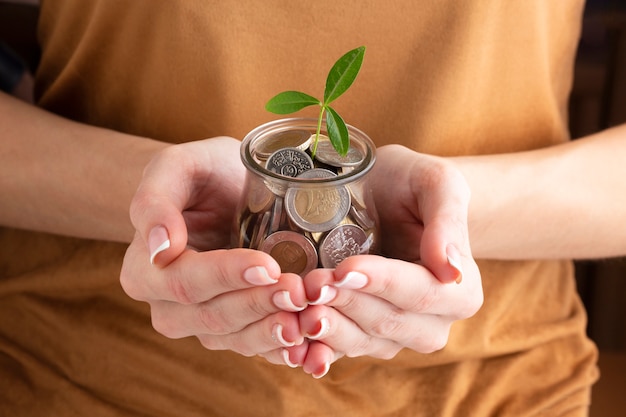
{"points": [[310, 223]]}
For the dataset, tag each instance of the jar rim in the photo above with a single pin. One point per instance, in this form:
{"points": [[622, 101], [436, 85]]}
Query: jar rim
{"points": [[276, 126]]}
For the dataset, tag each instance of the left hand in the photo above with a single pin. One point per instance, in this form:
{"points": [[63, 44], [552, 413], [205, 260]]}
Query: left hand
{"points": [[376, 306]]}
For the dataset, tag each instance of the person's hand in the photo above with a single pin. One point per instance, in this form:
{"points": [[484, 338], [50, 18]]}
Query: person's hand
{"points": [[235, 299], [376, 306]]}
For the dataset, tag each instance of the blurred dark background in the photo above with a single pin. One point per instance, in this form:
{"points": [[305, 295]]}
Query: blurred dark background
{"points": [[598, 101]]}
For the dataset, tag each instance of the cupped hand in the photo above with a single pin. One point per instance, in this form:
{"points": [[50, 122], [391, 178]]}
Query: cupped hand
{"points": [[235, 299], [427, 279]]}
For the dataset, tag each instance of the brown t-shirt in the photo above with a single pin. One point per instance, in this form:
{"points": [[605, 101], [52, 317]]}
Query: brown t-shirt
{"points": [[444, 77]]}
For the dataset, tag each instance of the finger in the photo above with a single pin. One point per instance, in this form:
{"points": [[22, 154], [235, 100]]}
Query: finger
{"points": [[280, 330], [443, 199], [229, 312], [319, 358], [342, 333], [408, 286], [168, 187], [293, 356], [195, 277], [156, 209]]}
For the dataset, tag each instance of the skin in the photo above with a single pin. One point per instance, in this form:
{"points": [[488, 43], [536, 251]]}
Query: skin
{"points": [[237, 299]]}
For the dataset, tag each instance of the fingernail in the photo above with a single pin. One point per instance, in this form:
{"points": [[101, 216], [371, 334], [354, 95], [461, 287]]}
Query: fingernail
{"points": [[285, 355], [158, 241], [277, 336], [324, 329], [257, 275], [327, 293], [324, 371], [352, 281], [282, 300], [454, 259]]}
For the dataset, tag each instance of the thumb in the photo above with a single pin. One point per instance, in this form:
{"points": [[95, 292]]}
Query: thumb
{"points": [[157, 207], [443, 251], [444, 246]]}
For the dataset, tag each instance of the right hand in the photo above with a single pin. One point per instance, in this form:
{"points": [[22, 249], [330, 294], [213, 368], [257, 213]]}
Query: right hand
{"points": [[235, 299]]}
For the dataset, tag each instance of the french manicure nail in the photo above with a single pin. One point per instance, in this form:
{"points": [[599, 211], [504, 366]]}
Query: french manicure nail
{"points": [[285, 355], [158, 241], [454, 259], [323, 331], [352, 281], [282, 300], [324, 371], [257, 275], [327, 293], [277, 336]]}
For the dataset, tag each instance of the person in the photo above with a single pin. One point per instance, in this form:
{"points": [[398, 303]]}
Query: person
{"points": [[467, 104]]}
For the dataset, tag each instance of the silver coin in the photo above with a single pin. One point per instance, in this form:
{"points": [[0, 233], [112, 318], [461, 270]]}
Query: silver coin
{"points": [[327, 154], [277, 215], [362, 218], [298, 138], [317, 209], [289, 162], [260, 230], [293, 252], [342, 242]]}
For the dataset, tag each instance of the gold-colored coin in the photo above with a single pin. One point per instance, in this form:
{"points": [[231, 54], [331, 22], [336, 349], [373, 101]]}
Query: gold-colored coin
{"points": [[299, 139], [317, 209]]}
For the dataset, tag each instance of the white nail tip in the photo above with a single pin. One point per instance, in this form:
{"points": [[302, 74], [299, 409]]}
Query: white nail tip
{"points": [[352, 281], [324, 329], [324, 371], [283, 301], [163, 246], [277, 335], [285, 354], [326, 294]]}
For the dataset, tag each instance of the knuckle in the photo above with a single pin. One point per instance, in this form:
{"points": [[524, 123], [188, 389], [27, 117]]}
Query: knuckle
{"points": [[388, 325], [470, 305], [210, 342], [140, 204], [387, 352], [129, 286], [214, 320], [434, 343], [360, 348], [426, 300], [181, 290], [164, 326]]}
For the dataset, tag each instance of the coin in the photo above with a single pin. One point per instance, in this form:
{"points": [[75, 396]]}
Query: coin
{"points": [[362, 218], [342, 242], [289, 162], [260, 230], [277, 215], [293, 252], [317, 209], [259, 198], [299, 139], [327, 154]]}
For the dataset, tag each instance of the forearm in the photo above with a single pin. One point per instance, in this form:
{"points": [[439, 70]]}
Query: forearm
{"points": [[67, 178], [565, 201]]}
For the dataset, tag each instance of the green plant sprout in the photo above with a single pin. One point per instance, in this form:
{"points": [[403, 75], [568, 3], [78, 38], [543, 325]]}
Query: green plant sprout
{"points": [[340, 78]]}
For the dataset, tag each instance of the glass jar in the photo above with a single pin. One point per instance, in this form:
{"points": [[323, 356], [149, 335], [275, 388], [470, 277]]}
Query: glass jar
{"points": [[306, 211]]}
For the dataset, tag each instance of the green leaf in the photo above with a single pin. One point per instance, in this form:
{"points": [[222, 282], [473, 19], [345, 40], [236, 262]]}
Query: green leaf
{"points": [[290, 102], [337, 132], [343, 74]]}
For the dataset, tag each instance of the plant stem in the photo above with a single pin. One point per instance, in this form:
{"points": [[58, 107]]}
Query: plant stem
{"points": [[317, 133]]}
